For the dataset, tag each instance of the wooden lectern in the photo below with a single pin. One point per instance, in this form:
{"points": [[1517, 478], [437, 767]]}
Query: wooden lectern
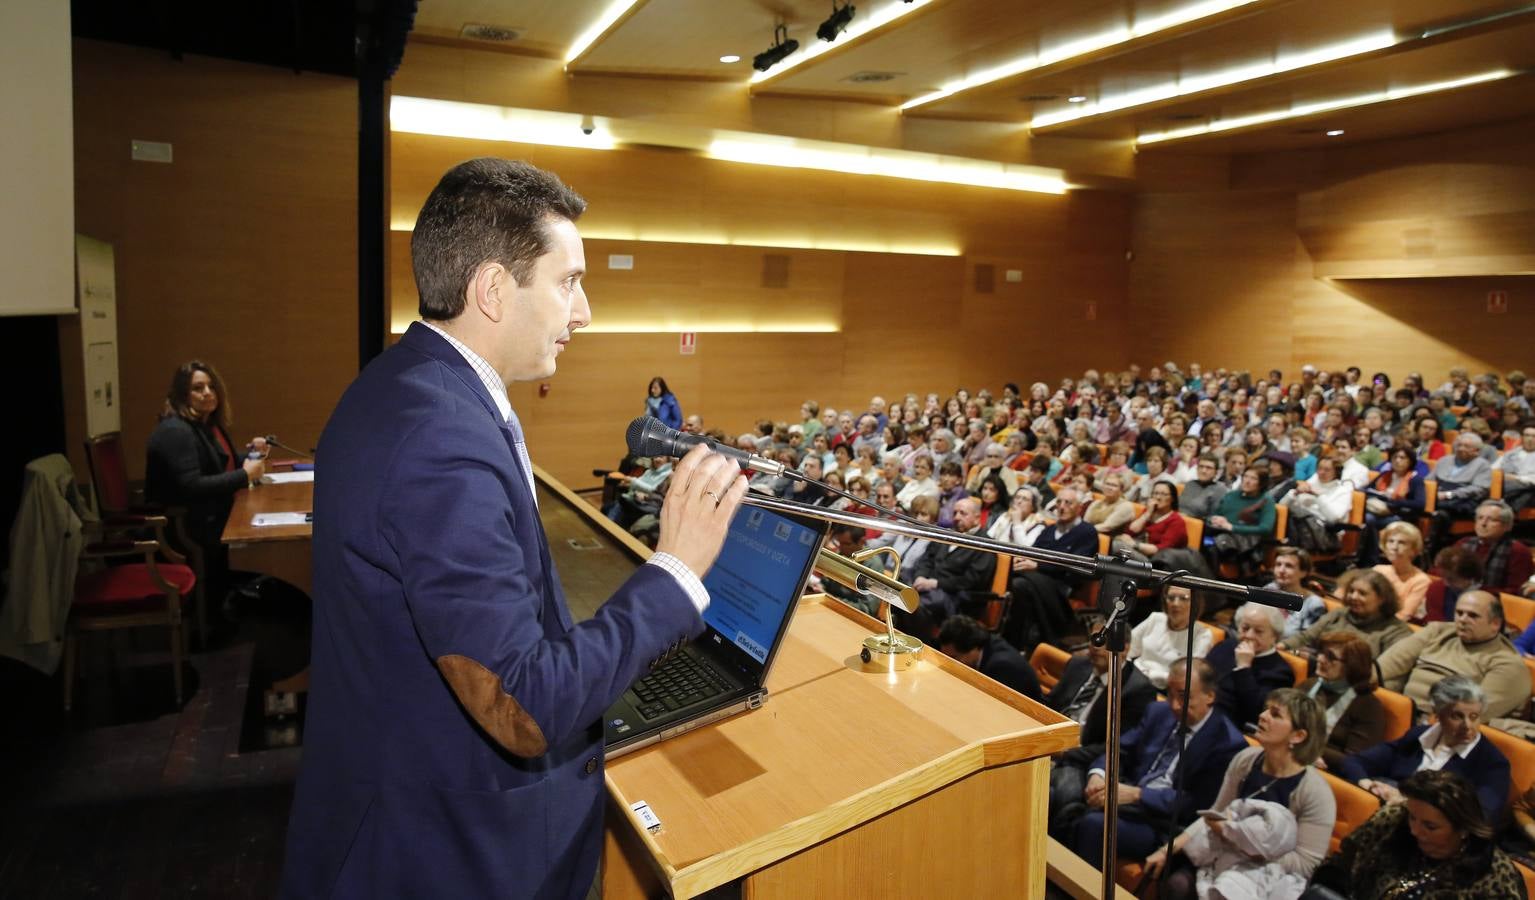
{"points": [[846, 783]]}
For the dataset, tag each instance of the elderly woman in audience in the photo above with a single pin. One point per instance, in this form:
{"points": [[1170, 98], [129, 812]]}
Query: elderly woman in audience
{"points": [[1156, 473], [1402, 544], [1117, 463], [921, 483], [1292, 566], [1015, 453], [1112, 513], [1162, 638], [1343, 685], [1023, 520], [1369, 609], [1291, 734], [1250, 667], [1454, 743], [1243, 518], [1436, 844]]}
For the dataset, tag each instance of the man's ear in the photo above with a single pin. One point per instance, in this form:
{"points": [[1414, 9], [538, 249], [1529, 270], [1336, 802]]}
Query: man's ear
{"points": [[488, 290]]}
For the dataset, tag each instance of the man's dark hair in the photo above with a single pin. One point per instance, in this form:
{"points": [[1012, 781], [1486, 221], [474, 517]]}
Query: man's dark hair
{"points": [[1040, 464], [484, 210], [963, 634], [951, 468]]}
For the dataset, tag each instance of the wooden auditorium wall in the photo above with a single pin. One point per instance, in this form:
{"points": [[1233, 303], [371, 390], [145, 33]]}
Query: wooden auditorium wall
{"points": [[844, 324], [242, 252], [1380, 255]]}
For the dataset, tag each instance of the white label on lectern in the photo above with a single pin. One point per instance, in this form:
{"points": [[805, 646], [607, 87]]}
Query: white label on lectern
{"points": [[647, 818]]}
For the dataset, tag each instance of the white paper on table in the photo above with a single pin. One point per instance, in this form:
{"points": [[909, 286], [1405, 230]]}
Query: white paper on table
{"points": [[288, 477], [263, 520]]}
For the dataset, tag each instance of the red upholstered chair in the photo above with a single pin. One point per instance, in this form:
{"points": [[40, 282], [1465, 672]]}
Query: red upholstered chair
{"points": [[123, 514], [130, 595]]}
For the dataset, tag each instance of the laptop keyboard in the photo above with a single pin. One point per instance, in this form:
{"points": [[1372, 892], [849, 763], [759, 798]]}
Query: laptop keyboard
{"points": [[678, 682]]}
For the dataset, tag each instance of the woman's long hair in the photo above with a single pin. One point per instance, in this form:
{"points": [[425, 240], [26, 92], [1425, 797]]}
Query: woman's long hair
{"points": [[177, 398]]}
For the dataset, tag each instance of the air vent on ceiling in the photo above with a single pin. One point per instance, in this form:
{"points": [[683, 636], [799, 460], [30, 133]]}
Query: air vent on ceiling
{"points": [[500, 34], [868, 77], [1040, 98]]}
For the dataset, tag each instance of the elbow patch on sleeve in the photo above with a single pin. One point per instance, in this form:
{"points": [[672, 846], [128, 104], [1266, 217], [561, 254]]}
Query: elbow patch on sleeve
{"points": [[496, 711]]}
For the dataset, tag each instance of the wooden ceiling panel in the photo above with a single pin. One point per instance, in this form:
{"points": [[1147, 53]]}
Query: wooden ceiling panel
{"points": [[688, 37], [544, 27], [1298, 27]]}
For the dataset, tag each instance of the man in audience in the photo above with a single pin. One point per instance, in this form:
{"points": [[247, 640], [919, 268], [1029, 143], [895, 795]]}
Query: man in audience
{"points": [[1300, 448], [993, 463], [1040, 611], [1112, 425], [693, 424], [1518, 468], [1464, 479], [877, 410], [847, 431], [869, 435], [1207, 414], [1082, 695], [1472, 645], [1236, 464], [946, 573], [1154, 759], [1506, 563], [1201, 496], [968, 641], [1249, 667]]}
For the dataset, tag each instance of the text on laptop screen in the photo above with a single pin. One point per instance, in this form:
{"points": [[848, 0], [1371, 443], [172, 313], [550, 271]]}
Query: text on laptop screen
{"points": [[759, 572]]}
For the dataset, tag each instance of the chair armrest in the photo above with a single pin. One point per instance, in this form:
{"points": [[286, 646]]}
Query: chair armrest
{"points": [[106, 549]]}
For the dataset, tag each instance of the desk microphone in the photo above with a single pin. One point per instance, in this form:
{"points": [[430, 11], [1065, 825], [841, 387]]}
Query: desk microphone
{"points": [[648, 436], [272, 439]]}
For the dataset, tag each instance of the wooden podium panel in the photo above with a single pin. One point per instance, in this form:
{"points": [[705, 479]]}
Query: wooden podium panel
{"points": [[846, 783]]}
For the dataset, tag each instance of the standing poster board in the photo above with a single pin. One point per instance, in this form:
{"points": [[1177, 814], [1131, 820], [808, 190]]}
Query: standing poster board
{"points": [[96, 291]]}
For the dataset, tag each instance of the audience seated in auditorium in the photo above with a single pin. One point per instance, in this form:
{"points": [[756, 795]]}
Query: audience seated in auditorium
{"points": [[1292, 566], [1163, 636], [1473, 645], [1112, 512], [1401, 544], [1317, 506], [1277, 812], [951, 490], [1463, 480], [1395, 495], [968, 641], [1201, 497], [1248, 668], [1242, 519], [946, 573], [921, 484], [1344, 686], [1369, 610], [1454, 743], [1023, 521], [1153, 759]]}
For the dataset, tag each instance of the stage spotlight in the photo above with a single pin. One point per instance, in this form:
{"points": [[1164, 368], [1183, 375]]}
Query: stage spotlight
{"points": [[783, 45], [837, 23]]}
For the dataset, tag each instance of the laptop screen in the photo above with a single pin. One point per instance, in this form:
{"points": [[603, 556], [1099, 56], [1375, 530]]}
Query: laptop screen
{"points": [[758, 577]]}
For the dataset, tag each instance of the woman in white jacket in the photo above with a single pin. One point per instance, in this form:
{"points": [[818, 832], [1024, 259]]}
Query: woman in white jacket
{"points": [[1024, 520]]}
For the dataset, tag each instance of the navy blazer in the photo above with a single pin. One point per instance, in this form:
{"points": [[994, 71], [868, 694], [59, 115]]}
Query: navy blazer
{"points": [[1138, 694], [1485, 767], [1204, 764], [427, 544], [1240, 693]]}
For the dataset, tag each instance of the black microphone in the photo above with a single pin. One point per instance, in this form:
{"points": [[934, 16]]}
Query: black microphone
{"points": [[649, 436], [272, 439]]}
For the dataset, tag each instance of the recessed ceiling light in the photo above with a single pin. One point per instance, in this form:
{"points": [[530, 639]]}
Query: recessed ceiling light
{"points": [[1079, 98], [730, 58], [1335, 132]]}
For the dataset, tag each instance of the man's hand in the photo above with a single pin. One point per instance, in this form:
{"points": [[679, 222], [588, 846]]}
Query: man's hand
{"points": [[1094, 792], [1023, 564], [706, 489], [1129, 793], [925, 584]]}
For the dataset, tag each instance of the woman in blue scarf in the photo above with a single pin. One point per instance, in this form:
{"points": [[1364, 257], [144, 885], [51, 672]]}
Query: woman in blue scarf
{"points": [[662, 403]]}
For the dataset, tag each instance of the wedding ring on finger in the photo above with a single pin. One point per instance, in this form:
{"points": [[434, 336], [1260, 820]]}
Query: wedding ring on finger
{"points": [[715, 496]]}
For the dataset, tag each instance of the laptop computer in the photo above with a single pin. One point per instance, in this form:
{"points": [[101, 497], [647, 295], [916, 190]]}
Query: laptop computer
{"points": [[754, 587]]}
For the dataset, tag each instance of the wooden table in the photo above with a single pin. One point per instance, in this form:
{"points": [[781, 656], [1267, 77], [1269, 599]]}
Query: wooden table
{"points": [[281, 551], [847, 783]]}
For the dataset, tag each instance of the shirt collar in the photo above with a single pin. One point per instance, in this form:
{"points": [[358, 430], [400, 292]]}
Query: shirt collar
{"points": [[488, 376]]}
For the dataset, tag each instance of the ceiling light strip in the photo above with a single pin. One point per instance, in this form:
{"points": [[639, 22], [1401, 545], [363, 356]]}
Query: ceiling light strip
{"points": [[860, 28], [616, 12], [1324, 106], [478, 121], [841, 244], [852, 160], [1193, 85], [1061, 53]]}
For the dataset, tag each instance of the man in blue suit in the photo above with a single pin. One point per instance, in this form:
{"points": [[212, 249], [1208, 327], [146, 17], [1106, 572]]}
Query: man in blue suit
{"points": [[1152, 762], [454, 738]]}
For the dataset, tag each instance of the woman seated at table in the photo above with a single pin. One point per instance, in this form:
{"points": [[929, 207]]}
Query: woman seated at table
{"points": [[1453, 743], [1279, 770], [193, 464], [1356, 720], [1369, 610], [1437, 843], [1402, 544]]}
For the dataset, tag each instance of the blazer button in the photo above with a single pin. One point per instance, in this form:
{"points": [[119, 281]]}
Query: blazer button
{"points": [[591, 765]]}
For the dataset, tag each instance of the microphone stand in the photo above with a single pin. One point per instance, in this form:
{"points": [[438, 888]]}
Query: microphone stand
{"points": [[1115, 632]]}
